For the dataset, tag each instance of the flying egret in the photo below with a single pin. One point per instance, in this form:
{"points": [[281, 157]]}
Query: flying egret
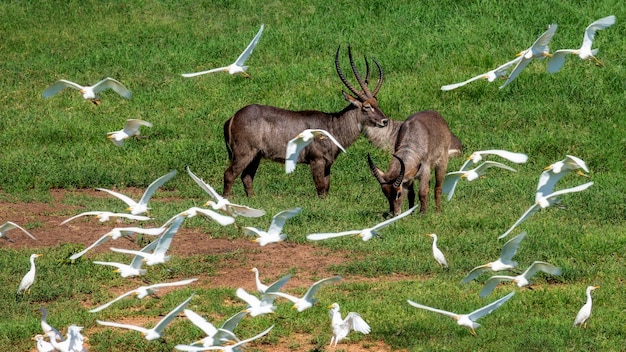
{"points": [[88, 92], [237, 66], [134, 268], [505, 261], [584, 52], [143, 291], [543, 203], [306, 137], [262, 288], [365, 234], [223, 220], [307, 301], [229, 348], [257, 306], [29, 278], [539, 50], [156, 331], [452, 178], [222, 203], [7, 226], [585, 312], [45, 327], [117, 233], [103, 216], [43, 345], [554, 172], [131, 128], [468, 320], [157, 256], [522, 279], [273, 234], [215, 336], [141, 207], [490, 76], [342, 327], [437, 253]]}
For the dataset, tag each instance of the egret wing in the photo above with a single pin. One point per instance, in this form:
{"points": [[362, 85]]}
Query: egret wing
{"points": [[106, 305], [113, 84], [541, 266], [223, 220], [491, 284], [126, 199], [123, 326], [460, 84], [510, 247], [440, 311], [481, 312], [58, 86], [154, 185], [200, 322], [392, 220], [294, 147], [590, 31], [308, 296], [244, 55], [98, 242], [171, 315], [189, 75], [278, 221], [276, 286], [474, 273], [331, 137], [9, 225], [205, 186], [327, 235], [530, 211], [558, 59], [450, 181]]}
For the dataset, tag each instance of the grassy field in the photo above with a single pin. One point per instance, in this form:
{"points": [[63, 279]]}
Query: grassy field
{"points": [[61, 143]]}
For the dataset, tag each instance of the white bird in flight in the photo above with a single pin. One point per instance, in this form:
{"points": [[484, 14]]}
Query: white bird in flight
{"points": [[141, 207], [545, 202], [117, 233], [134, 268], [262, 288], [490, 76], [307, 301], [223, 220], [142, 292], [452, 178], [229, 348], [238, 65], [154, 332], [584, 52], [131, 128], [468, 320], [539, 50], [342, 327], [520, 280], [585, 311], [88, 92], [215, 336], [437, 253], [306, 137], [505, 262], [273, 234], [104, 216], [224, 204], [257, 306], [29, 278], [7, 226], [554, 172], [365, 234]]}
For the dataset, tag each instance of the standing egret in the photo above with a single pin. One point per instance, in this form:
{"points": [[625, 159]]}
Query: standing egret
{"points": [[229, 348], [365, 234], [29, 278], [273, 234], [468, 320], [117, 233], [141, 207], [237, 66], [88, 92], [584, 52], [522, 279], [585, 312], [262, 288], [505, 261], [342, 327], [306, 137], [490, 76], [307, 301], [154, 332], [539, 50], [10, 226], [131, 128], [437, 253], [452, 178], [554, 172]]}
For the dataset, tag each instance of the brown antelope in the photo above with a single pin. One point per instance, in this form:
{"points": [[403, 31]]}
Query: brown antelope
{"points": [[422, 143], [261, 132]]}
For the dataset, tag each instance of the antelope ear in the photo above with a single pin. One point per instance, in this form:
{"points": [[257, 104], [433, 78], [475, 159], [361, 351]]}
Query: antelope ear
{"points": [[352, 100]]}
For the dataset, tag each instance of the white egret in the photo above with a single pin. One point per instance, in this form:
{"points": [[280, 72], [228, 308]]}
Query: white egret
{"points": [[584, 52], [43, 345], [131, 128], [452, 178], [88, 92], [215, 336], [522, 279], [134, 269], [554, 172], [223, 220], [437, 253], [156, 331], [103, 216], [303, 139], [307, 301], [262, 288], [45, 327], [477, 156], [157, 256], [468, 320], [141, 207], [7, 226], [585, 312], [76, 339], [229, 348], [543, 203], [490, 76], [505, 261], [238, 65], [117, 233], [539, 50], [273, 234], [257, 306], [222, 203], [365, 234], [342, 327], [142, 292], [29, 278]]}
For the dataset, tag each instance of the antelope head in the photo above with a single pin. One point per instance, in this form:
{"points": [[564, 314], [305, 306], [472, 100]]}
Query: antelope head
{"points": [[392, 186]]}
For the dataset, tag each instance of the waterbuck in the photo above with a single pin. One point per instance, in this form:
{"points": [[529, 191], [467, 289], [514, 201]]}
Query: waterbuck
{"points": [[422, 143], [261, 132]]}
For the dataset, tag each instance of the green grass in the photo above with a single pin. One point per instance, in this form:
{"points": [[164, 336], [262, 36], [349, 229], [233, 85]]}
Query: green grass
{"points": [[60, 143]]}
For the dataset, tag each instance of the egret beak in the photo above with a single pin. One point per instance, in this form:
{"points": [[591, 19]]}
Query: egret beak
{"points": [[580, 173]]}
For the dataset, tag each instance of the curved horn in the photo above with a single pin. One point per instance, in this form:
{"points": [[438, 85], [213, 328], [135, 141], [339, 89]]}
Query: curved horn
{"points": [[380, 80], [398, 180], [375, 171], [367, 71], [357, 75], [343, 78]]}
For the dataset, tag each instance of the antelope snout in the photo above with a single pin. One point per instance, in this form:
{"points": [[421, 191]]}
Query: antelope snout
{"points": [[384, 122]]}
